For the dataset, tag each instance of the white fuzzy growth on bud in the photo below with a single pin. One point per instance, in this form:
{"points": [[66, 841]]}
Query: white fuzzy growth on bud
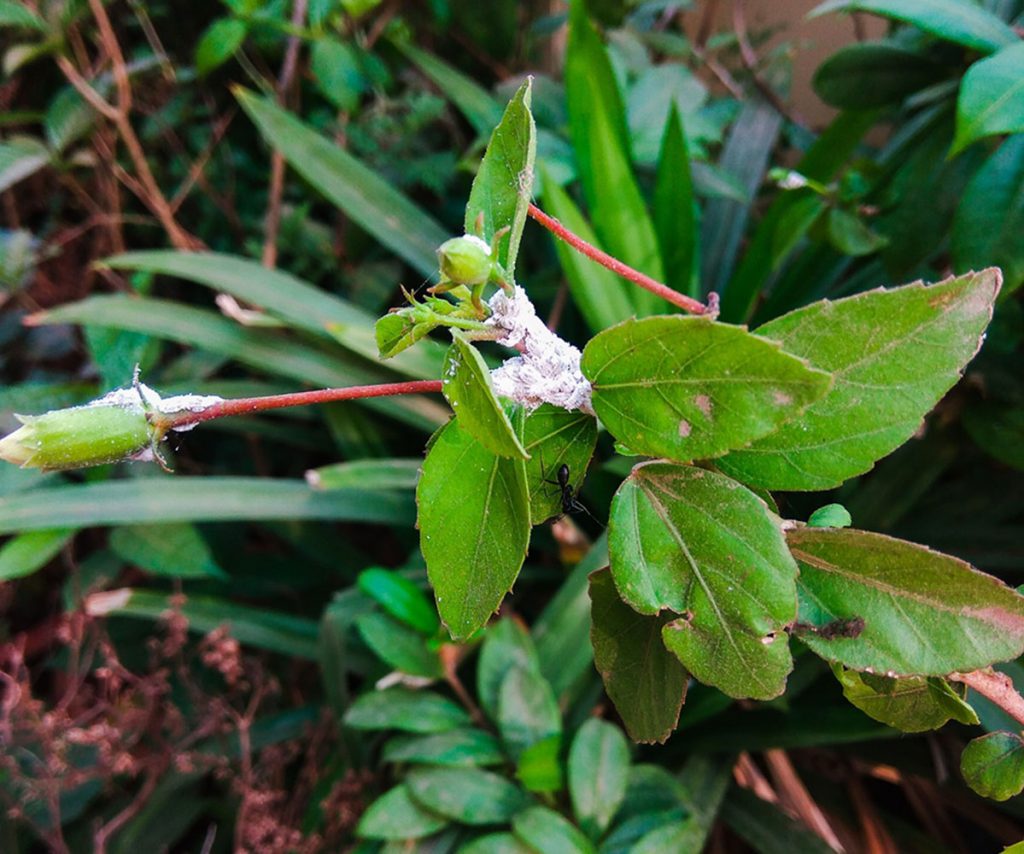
{"points": [[141, 397], [548, 371]]}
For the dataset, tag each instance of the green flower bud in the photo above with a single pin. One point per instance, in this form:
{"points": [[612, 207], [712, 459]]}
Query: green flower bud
{"points": [[465, 260], [81, 436]]}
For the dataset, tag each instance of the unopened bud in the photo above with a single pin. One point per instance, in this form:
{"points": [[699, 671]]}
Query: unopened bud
{"points": [[78, 437], [465, 260], [119, 426]]}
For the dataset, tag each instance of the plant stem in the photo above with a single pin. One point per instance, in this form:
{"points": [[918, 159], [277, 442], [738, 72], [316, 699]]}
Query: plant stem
{"points": [[246, 405], [997, 687], [635, 276]]}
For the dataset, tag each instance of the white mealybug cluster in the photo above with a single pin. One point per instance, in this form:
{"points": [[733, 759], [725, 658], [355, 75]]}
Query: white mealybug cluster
{"points": [[548, 369], [141, 396]]}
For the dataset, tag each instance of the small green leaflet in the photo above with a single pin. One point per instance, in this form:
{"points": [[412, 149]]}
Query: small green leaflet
{"points": [[503, 187], [466, 383], [993, 765]]}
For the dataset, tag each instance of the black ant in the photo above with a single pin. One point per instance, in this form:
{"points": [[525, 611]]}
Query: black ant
{"points": [[570, 502]]}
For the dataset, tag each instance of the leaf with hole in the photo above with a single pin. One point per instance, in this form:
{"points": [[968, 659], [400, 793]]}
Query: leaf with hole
{"points": [[688, 388], [698, 544]]}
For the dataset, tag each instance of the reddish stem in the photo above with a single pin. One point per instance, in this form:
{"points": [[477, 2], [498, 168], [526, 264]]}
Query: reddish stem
{"points": [[635, 276], [246, 405], [997, 687]]}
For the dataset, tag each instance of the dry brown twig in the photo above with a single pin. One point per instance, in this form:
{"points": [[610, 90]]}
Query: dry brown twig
{"points": [[272, 223], [143, 184]]}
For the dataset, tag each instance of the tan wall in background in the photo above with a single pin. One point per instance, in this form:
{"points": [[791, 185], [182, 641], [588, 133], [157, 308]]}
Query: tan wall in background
{"points": [[812, 40]]}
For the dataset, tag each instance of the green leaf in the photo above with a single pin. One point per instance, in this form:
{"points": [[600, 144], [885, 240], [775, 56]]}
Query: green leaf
{"points": [[911, 704], [20, 157], [744, 156], [780, 227], [990, 216], [399, 647], [603, 298], [644, 680], [598, 775], [698, 544], [363, 195], [893, 354], [924, 613], [481, 110], [402, 599], [993, 765], [337, 72], [539, 768], [952, 20], [503, 186], [14, 14], [507, 646], [474, 521], [400, 474], [554, 437], [193, 499], [496, 843], [466, 382], [24, 554], [685, 835], [260, 349], [218, 44], [470, 747], [873, 74], [174, 549], [285, 296], [688, 388], [675, 211], [468, 795], [600, 141], [271, 630], [991, 99], [527, 710], [405, 710], [395, 815], [998, 429], [851, 235], [830, 516], [547, 832]]}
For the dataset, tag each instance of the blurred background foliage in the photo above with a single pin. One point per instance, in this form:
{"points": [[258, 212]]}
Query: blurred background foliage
{"points": [[182, 653]]}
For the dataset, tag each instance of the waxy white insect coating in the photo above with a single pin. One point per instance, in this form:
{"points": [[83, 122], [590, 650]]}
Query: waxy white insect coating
{"points": [[548, 369]]}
